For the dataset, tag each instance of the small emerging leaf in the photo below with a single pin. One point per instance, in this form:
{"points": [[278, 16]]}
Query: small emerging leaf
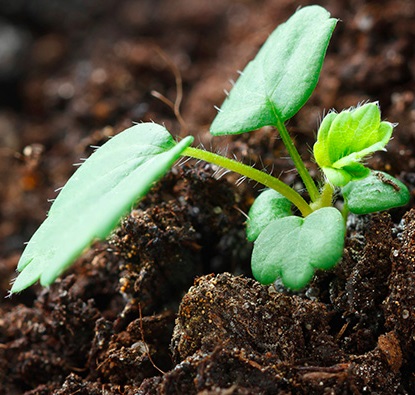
{"points": [[345, 139], [292, 248], [281, 78], [377, 192], [95, 198], [267, 207]]}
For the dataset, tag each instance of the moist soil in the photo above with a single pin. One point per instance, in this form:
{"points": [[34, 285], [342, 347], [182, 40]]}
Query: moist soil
{"points": [[168, 305]]}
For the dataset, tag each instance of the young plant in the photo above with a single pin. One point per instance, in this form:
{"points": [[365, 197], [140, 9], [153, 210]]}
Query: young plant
{"points": [[271, 90]]}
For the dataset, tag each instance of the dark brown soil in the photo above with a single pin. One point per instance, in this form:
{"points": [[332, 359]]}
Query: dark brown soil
{"points": [[126, 319]]}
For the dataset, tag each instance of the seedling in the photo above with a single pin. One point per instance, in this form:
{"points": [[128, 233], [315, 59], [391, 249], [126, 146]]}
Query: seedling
{"points": [[290, 245]]}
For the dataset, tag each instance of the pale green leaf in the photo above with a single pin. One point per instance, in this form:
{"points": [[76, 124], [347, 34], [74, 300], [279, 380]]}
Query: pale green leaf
{"points": [[95, 198], [268, 206], [292, 248], [281, 78], [377, 192], [345, 139]]}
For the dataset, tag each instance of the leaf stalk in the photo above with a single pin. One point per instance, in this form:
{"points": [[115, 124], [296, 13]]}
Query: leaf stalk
{"points": [[298, 162], [252, 173]]}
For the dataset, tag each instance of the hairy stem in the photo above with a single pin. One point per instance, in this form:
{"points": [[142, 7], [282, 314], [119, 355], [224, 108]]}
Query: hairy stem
{"points": [[298, 162], [325, 199], [254, 174]]}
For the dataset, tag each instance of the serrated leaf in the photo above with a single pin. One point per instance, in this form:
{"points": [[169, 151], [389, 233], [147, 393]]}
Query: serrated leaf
{"points": [[268, 206], [281, 78], [95, 198], [292, 248], [377, 192]]}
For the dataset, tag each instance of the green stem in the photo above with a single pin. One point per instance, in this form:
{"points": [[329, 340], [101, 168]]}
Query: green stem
{"points": [[254, 174], [298, 162], [325, 199], [345, 211]]}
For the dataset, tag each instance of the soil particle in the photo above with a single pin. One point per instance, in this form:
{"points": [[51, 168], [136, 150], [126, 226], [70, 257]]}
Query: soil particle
{"points": [[127, 357], [243, 312], [234, 336], [48, 340], [361, 282], [399, 306]]}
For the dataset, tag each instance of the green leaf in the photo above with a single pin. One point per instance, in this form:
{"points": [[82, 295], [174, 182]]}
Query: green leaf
{"points": [[281, 78], [292, 248], [95, 198], [268, 206], [345, 139], [377, 192]]}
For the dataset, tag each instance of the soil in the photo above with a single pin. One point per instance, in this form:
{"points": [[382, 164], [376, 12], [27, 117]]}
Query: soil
{"points": [[167, 305]]}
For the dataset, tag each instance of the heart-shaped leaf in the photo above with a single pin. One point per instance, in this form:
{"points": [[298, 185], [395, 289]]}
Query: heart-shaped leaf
{"points": [[292, 248], [95, 198], [377, 192], [281, 78], [268, 206]]}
